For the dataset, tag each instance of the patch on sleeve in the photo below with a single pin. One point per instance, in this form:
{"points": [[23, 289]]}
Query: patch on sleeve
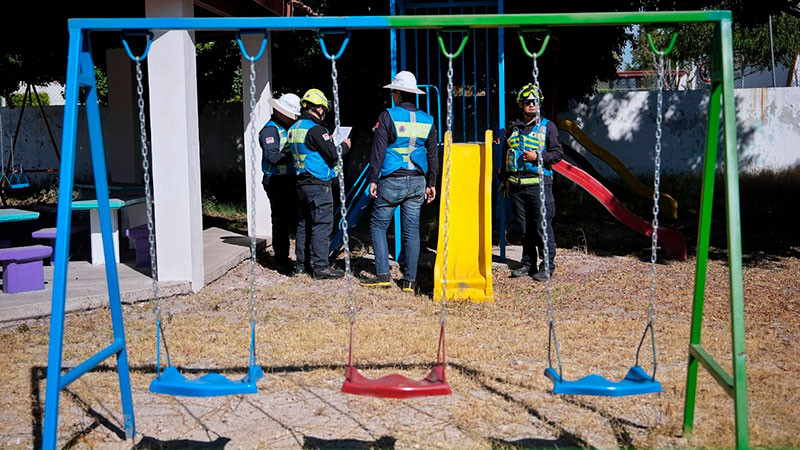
{"points": [[326, 137], [270, 140]]}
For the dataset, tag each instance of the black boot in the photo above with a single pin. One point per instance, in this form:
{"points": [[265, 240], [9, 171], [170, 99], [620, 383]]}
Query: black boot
{"points": [[522, 271], [383, 281], [328, 273]]}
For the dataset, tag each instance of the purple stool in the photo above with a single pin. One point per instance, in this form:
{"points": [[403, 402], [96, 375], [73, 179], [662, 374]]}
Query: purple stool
{"points": [[140, 236], [50, 235], [22, 268]]}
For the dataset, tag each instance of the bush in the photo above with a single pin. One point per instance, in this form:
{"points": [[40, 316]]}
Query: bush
{"points": [[16, 100]]}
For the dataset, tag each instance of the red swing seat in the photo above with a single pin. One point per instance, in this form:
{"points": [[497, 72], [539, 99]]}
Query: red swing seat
{"points": [[396, 385]]}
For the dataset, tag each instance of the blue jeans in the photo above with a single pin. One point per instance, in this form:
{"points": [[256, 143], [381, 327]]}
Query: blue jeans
{"points": [[408, 193]]}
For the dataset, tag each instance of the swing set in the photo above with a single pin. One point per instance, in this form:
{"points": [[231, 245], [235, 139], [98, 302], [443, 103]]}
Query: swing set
{"points": [[80, 74]]}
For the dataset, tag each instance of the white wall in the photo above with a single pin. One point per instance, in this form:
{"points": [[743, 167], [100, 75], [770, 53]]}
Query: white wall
{"points": [[624, 124]]}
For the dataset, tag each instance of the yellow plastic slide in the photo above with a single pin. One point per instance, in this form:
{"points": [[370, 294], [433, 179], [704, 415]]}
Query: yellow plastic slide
{"points": [[666, 203], [469, 254]]}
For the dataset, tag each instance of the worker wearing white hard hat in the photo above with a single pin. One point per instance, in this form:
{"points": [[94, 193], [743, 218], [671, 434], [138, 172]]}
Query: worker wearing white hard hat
{"points": [[404, 167], [279, 177]]}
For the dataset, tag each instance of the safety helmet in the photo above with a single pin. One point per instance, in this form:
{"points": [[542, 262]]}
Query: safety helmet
{"points": [[287, 104], [405, 81], [529, 92], [315, 97]]}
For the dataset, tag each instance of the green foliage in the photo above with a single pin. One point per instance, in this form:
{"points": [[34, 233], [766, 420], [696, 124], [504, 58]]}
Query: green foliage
{"points": [[219, 72], [101, 80], [751, 41], [17, 99]]}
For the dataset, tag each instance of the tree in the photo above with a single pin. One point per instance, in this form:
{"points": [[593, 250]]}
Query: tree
{"points": [[750, 37]]}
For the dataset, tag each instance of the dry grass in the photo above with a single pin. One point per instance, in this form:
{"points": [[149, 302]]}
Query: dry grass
{"points": [[497, 354]]}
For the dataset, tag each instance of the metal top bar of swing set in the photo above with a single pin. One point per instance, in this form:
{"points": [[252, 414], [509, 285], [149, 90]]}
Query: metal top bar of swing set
{"points": [[388, 22]]}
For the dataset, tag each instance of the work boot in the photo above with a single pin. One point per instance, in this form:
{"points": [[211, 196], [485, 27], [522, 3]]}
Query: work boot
{"points": [[522, 271], [286, 268], [408, 286], [383, 281], [327, 273], [542, 276]]}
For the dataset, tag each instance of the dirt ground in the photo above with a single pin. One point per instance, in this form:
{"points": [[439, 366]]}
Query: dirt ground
{"points": [[496, 353]]}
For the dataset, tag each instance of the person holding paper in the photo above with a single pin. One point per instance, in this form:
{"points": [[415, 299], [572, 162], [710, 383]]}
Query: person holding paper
{"points": [[279, 179], [404, 165], [315, 160]]}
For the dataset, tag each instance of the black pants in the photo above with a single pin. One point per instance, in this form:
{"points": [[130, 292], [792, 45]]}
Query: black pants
{"points": [[282, 194], [527, 208], [315, 223]]}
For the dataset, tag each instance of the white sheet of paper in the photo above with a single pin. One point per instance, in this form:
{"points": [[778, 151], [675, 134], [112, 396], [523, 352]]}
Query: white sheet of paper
{"points": [[341, 134]]}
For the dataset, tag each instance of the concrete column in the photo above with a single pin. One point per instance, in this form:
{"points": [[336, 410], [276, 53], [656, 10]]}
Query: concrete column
{"points": [[263, 69], [176, 147], [121, 133]]}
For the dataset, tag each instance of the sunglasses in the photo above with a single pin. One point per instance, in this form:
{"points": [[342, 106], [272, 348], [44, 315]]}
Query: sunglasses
{"points": [[529, 102]]}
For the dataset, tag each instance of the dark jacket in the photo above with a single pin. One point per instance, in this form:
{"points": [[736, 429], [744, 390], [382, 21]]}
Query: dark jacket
{"points": [[385, 135], [553, 152], [321, 141]]}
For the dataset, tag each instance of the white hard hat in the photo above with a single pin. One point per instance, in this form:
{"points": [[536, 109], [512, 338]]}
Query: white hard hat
{"points": [[405, 81], [287, 104]]}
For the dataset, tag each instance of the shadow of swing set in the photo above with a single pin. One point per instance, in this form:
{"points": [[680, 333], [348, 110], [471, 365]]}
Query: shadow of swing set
{"points": [[463, 264]]}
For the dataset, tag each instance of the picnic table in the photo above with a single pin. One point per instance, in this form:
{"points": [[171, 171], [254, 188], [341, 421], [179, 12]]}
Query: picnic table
{"points": [[17, 215], [14, 215], [136, 206]]}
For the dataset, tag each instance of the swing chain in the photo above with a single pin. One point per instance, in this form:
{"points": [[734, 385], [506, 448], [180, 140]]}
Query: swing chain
{"points": [[551, 328], [656, 189], [450, 95], [151, 238], [446, 190], [351, 307], [252, 190], [656, 196], [542, 199]]}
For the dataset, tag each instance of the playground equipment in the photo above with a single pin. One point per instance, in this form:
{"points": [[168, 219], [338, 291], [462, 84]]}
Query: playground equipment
{"points": [[467, 197], [17, 179], [3, 178], [666, 202], [80, 73], [469, 194], [170, 381], [673, 241], [637, 381], [396, 385]]}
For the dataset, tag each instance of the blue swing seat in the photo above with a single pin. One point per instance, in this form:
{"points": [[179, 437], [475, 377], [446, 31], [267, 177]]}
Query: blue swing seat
{"points": [[171, 382], [636, 382], [18, 180]]}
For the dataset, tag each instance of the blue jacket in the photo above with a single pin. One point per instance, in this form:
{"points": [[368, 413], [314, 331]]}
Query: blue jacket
{"points": [[518, 142], [408, 150], [307, 160]]}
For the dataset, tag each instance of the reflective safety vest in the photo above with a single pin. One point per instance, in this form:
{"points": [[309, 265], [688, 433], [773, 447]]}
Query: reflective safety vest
{"points": [[305, 159], [534, 141], [408, 151], [270, 169]]}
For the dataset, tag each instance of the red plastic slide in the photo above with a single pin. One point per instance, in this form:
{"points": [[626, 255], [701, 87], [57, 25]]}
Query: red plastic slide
{"points": [[673, 242]]}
